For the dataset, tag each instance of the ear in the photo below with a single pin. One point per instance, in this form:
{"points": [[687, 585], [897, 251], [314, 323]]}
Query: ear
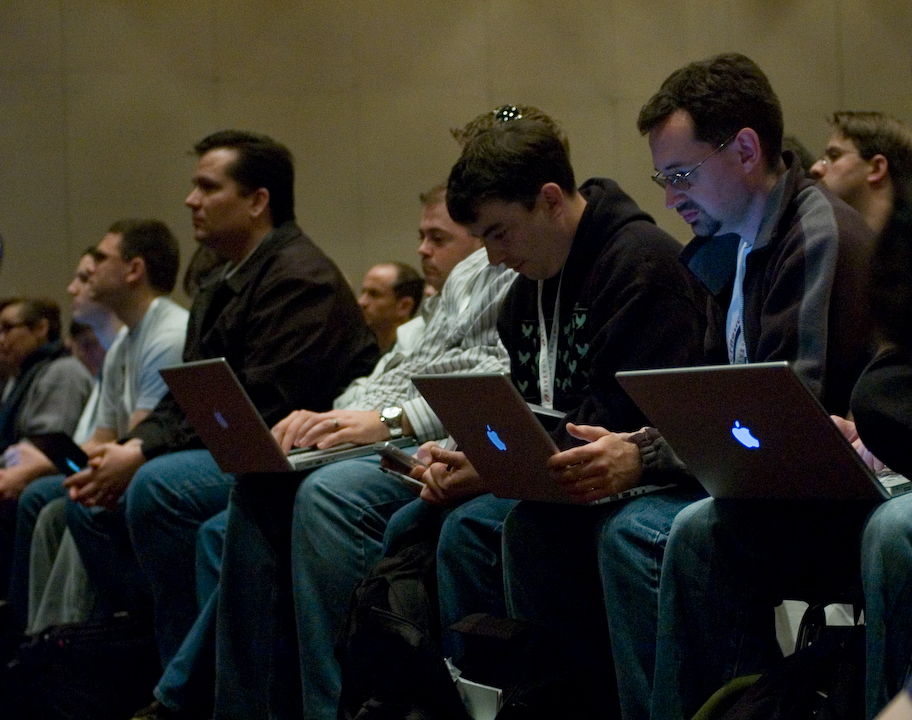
{"points": [[136, 269], [259, 202], [880, 169], [551, 198], [42, 327], [404, 306], [750, 152]]}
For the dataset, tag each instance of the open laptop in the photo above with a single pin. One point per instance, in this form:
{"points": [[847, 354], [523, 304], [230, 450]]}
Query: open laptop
{"points": [[232, 429], [500, 435], [755, 431]]}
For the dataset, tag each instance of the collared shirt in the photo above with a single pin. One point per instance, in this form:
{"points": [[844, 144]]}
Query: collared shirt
{"points": [[461, 336]]}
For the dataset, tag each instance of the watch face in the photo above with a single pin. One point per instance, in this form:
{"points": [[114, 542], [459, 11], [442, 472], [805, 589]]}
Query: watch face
{"points": [[391, 414]]}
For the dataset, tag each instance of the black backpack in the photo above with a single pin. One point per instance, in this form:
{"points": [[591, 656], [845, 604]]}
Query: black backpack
{"points": [[389, 651], [822, 680], [83, 671]]}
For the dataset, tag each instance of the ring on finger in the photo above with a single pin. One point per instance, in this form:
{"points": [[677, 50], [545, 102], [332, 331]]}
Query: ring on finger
{"points": [[335, 423]]}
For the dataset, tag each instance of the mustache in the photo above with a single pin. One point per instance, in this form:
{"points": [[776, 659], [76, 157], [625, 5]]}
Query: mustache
{"points": [[687, 205]]}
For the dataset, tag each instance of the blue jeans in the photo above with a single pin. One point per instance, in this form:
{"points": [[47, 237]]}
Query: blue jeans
{"points": [[340, 515], [35, 496], [294, 552], [727, 565], [167, 501], [469, 564], [188, 683], [591, 575], [886, 570]]}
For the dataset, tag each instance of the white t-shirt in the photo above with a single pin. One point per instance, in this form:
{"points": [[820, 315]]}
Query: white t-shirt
{"points": [[130, 378]]}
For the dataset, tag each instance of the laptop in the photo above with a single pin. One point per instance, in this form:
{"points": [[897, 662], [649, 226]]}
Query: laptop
{"points": [[755, 431], [232, 429], [501, 436]]}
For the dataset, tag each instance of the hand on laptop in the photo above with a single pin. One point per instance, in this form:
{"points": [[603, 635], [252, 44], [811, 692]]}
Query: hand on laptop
{"points": [[847, 427], [606, 465], [109, 473], [449, 478], [286, 430], [323, 430]]}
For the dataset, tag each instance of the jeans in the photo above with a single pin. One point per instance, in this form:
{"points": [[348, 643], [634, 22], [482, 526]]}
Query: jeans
{"points": [[340, 515], [167, 501], [188, 683], [469, 564], [886, 569], [32, 500], [728, 564], [591, 575], [256, 652]]}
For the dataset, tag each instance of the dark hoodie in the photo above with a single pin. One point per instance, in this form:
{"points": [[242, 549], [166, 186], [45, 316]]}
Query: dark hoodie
{"points": [[626, 303]]}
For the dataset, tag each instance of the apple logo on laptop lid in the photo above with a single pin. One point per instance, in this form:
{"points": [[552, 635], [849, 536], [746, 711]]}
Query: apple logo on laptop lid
{"points": [[495, 438], [743, 435]]}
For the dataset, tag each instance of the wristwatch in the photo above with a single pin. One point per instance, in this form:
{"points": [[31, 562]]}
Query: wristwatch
{"points": [[392, 417]]}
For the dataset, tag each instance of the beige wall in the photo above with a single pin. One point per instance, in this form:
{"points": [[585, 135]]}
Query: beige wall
{"points": [[101, 100]]}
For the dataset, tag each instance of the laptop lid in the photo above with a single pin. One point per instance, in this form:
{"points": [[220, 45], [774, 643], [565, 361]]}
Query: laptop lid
{"points": [[752, 431], [232, 429], [500, 435]]}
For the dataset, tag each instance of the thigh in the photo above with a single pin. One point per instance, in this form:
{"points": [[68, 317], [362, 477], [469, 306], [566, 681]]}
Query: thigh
{"points": [[188, 483]]}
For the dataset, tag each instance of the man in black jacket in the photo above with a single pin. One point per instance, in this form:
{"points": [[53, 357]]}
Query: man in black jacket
{"points": [[287, 322]]}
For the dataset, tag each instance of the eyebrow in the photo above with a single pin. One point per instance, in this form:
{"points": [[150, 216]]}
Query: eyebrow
{"points": [[490, 229]]}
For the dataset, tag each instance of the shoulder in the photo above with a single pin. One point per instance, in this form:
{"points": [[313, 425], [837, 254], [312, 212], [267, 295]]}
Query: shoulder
{"points": [[65, 369], [819, 222]]}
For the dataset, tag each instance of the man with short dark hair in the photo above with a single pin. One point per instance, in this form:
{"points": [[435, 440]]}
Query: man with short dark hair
{"points": [[282, 315], [601, 290], [390, 296], [784, 262], [865, 152], [135, 267]]}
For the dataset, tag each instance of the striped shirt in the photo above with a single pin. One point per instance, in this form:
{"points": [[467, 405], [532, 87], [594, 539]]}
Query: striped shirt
{"points": [[461, 336]]}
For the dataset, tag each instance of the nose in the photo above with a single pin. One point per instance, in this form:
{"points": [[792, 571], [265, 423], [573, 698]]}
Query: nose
{"points": [[193, 198], [362, 300], [72, 289], [494, 257], [818, 169], [672, 196], [424, 249]]}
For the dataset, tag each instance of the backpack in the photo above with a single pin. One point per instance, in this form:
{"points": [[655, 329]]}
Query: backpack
{"points": [[393, 666], [823, 680], [389, 651], [96, 670]]}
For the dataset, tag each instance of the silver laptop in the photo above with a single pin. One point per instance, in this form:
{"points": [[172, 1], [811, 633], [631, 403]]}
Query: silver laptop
{"points": [[755, 431], [500, 435], [232, 429]]}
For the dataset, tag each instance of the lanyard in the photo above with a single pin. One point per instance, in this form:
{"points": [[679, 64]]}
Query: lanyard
{"points": [[547, 354]]}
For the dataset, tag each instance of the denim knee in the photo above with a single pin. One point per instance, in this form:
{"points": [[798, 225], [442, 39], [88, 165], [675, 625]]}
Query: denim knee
{"points": [[887, 536]]}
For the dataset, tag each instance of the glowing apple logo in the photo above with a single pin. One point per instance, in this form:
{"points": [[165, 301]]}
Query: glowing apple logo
{"points": [[743, 436], [495, 439], [220, 419]]}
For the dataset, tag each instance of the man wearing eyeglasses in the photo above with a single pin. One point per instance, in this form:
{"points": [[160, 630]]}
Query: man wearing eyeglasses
{"points": [[783, 261], [864, 153]]}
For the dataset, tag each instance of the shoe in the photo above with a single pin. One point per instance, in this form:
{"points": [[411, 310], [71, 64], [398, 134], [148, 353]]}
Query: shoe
{"points": [[157, 711]]}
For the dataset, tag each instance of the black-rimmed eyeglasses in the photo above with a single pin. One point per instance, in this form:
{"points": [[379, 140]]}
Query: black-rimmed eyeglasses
{"points": [[679, 180]]}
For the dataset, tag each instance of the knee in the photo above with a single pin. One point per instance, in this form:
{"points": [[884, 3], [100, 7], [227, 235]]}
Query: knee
{"points": [[887, 537], [38, 494], [691, 529], [143, 493], [210, 538]]}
